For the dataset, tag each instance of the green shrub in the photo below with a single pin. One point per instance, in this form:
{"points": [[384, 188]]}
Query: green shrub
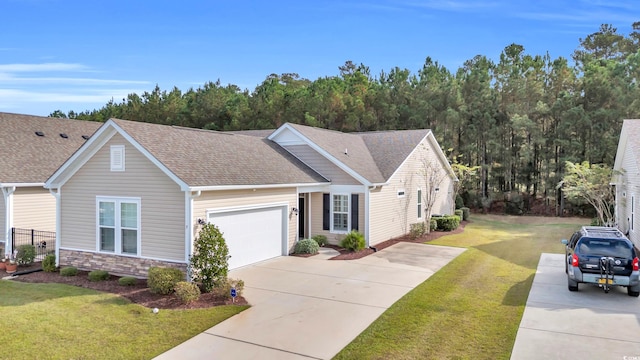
{"points": [[459, 213], [306, 246], [596, 222], [433, 224], [466, 212], [321, 240], [163, 280], [187, 292], [26, 254], [354, 241], [417, 230], [49, 263], [459, 202], [224, 288], [69, 271], [98, 275], [210, 260], [127, 281], [448, 222]]}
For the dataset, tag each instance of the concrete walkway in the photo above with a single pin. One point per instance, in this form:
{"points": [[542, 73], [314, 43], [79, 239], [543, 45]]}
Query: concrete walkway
{"points": [[310, 308], [588, 324]]}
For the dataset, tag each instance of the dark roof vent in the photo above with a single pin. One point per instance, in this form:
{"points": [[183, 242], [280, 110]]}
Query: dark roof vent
{"points": [[64, 136], [39, 133], [86, 137]]}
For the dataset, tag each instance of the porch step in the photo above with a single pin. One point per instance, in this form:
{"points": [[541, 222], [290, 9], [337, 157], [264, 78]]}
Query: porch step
{"points": [[326, 253]]}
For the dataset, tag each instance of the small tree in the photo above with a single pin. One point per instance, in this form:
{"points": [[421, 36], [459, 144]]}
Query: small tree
{"points": [[210, 259], [467, 175], [590, 182], [433, 175]]}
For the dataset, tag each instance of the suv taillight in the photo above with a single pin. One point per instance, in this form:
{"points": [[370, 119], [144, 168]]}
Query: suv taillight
{"points": [[635, 264], [574, 260]]}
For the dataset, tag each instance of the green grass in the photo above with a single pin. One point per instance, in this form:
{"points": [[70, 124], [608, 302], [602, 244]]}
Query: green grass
{"points": [[471, 308], [55, 321]]}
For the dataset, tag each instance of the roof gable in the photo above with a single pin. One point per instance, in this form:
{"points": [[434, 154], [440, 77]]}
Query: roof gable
{"points": [[27, 158]]}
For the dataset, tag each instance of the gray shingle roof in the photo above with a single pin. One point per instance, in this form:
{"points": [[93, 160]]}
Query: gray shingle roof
{"points": [[373, 155], [28, 158], [210, 158]]}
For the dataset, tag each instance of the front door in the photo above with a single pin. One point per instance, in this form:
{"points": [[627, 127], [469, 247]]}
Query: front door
{"points": [[301, 218]]}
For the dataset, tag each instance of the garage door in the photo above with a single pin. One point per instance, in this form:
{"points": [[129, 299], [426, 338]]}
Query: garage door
{"points": [[251, 235]]}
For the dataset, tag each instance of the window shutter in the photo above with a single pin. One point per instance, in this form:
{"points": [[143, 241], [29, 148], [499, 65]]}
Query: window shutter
{"points": [[326, 211], [354, 211]]}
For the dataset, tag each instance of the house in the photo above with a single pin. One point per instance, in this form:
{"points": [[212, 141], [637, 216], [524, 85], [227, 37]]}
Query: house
{"points": [[135, 194], [626, 179], [31, 149]]}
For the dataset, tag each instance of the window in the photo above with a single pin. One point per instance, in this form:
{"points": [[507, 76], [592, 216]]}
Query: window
{"points": [[117, 157], [419, 204], [118, 225], [340, 211], [401, 193]]}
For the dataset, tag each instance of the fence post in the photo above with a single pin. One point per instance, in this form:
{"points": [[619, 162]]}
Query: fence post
{"points": [[32, 236]]}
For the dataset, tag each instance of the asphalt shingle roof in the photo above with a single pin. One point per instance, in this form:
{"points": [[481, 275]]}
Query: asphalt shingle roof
{"points": [[210, 158], [28, 158]]}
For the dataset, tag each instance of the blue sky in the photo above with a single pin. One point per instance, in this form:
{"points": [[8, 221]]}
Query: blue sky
{"points": [[77, 55]]}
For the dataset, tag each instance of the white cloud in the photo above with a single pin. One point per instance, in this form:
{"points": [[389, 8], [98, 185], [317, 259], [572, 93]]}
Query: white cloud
{"points": [[98, 96], [42, 67], [8, 79]]}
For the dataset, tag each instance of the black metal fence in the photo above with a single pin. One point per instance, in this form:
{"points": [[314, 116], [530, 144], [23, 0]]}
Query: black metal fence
{"points": [[44, 241]]}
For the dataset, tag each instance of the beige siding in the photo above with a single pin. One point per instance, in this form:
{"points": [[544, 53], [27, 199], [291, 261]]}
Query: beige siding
{"points": [[162, 203], [211, 200], [316, 218], [321, 165], [34, 208], [3, 215], [630, 189], [391, 216]]}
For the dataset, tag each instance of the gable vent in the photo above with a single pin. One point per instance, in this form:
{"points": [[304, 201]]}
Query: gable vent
{"points": [[39, 133], [86, 137], [64, 136]]}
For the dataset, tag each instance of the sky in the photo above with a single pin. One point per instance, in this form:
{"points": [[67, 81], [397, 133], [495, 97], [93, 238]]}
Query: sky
{"points": [[77, 55]]}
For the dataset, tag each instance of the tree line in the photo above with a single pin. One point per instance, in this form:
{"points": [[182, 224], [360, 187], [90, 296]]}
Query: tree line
{"points": [[519, 120]]}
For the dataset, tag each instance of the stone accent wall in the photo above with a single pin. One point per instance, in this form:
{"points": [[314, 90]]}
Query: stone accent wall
{"points": [[114, 264]]}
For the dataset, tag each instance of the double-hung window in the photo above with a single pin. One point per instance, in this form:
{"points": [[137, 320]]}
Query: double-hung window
{"points": [[118, 221], [340, 213], [419, 203]]}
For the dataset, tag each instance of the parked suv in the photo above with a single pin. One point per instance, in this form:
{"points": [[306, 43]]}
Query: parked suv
{"points": [[603, 256]]}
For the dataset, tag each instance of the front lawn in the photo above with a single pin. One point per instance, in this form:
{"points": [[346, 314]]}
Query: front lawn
{"points": [[55, 321], [471, 308]]}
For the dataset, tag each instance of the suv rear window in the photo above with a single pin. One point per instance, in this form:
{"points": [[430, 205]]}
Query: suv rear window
{"points": [[606, 247]]}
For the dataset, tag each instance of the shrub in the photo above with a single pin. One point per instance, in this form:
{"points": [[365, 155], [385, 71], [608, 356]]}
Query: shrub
{"points": [[49, 263], [321, 240], [433, 224], [26, 254], [127, 281], [458, 213], [448, 222], [354, 241], [306, 246], [98, 275], [187, 292], [417, 230], [210, 260], [69, 271], [224, 288], [163, 280], [459, 202], [596, 222], [466, 212]]}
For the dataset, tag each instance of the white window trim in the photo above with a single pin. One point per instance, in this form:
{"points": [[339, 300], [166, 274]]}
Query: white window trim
{"points": [[117, 151], [419, 207], [117, 232], [401, 193], [332, 229]]}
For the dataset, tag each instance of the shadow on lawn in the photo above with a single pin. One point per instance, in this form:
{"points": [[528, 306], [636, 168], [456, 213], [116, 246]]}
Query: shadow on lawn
{"points": [[517, 294], [518, 251]]}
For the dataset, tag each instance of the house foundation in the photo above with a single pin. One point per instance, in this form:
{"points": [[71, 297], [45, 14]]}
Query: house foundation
{"points": [[114, 264]]}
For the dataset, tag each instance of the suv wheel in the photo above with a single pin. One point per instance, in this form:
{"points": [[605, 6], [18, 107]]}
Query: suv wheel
{"points": [[572, 285], [630, 292]]}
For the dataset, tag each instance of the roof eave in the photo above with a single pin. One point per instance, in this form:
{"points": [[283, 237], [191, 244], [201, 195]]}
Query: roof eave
{"points": [[249, 187], [21, 184]]}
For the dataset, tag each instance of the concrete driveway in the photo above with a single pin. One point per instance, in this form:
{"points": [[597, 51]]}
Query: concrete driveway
{"points": [[588, 324], [310, 308]]}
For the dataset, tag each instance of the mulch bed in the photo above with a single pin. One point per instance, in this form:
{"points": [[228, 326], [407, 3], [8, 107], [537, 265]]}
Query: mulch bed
{"points": [[140, 294]]}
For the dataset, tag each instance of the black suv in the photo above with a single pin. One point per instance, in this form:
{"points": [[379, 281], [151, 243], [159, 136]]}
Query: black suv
{"points": [[603, 256]]}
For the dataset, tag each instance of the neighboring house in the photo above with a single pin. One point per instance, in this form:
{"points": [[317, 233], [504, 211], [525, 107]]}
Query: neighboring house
{"points": [[135, 194], [31, 149], [626, 179]]}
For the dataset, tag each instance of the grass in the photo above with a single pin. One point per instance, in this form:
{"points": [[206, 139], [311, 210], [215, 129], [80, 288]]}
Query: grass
{"points": [[471, 308], [57, 321]]}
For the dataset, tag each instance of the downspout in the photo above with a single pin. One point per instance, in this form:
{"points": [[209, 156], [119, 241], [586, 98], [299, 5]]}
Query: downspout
{"points": [[56, 194], [7, 194], [189, 237], [367, 214]]}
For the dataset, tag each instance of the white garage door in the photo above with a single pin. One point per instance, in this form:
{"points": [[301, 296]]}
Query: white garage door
{"points": [[251, 235]]}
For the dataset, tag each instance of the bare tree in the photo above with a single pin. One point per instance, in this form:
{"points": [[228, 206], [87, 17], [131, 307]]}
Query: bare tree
{"points": [[434, 175]]}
